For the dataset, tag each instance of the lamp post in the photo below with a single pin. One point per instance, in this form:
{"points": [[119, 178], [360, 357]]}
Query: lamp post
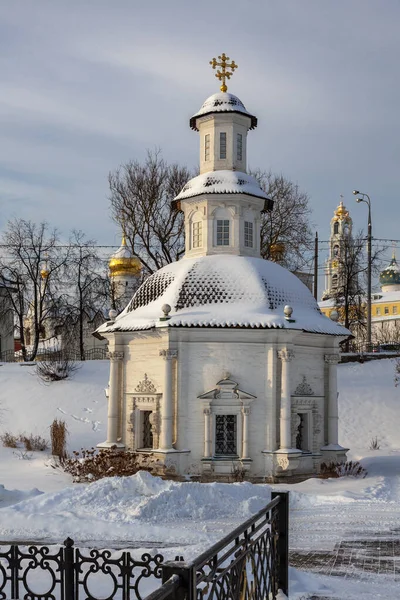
{"points": [[365, 198]]}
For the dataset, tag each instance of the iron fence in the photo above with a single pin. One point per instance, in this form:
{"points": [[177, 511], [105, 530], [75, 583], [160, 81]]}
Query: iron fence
{"points": [[53, 355], [251, 563]]}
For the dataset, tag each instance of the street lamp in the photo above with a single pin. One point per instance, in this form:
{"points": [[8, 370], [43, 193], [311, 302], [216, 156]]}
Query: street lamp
{"points": [[365, 198]]}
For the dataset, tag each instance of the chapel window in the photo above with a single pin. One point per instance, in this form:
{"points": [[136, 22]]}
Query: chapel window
{"points": [[239, 146], [223, 232], [146, 429], [395, 310], [225, 435], [302, 436], [386, 310], [336, 227], [197, 241], [248, 234], [222, 144], [207, 145]]}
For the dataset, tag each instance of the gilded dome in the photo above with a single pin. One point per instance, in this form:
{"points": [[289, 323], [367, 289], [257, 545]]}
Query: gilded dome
{"points": [[341, 213], [391, 275], [122, 262]]}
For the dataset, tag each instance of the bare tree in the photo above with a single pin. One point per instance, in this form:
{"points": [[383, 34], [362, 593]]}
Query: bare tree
{"points": [[87, 290], [33, 264], [286, 234], [141, 196], [350, 293]]}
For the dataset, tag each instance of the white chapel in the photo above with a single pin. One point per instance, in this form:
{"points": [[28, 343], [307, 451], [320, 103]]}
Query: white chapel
{"points": [[224, 359]]}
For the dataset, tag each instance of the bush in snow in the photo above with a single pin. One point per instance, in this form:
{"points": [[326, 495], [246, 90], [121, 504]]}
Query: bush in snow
{"points": [[58, 434], [34, 442], [9, 440], [374, 444], [93, 464], [56, 369], [336, 469]]}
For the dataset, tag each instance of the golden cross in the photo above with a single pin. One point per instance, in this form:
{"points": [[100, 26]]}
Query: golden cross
{"points": [[223, 74]]}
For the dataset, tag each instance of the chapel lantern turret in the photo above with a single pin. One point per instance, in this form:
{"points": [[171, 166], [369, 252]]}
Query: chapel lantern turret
{"points": [[223, 204]]}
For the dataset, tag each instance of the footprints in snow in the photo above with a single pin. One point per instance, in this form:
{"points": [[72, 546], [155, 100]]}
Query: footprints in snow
{"points": [[95, 424]]}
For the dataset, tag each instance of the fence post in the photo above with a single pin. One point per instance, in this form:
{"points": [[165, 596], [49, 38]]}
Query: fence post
{"points": [[283, 541], [187, 589], [69, 587]]}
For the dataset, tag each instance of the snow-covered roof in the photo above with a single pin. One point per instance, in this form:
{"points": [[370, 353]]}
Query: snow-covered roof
{"points": [[223, 291], [222, 102], [222, 182]]}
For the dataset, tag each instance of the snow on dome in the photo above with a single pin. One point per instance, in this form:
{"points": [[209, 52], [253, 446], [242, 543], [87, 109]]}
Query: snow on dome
{"points": [[222, 182], [222, 102], [224, 291]]}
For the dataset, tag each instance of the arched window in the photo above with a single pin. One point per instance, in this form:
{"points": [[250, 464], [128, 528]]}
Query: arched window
{"points": [[334, 282], [336, 251], [336, 227]]}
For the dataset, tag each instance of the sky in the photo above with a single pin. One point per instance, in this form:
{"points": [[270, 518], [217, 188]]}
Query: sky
{"points": [[87, 85]]}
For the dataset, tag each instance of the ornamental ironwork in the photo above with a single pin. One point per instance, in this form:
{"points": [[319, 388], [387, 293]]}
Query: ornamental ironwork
{"points": [[225, 435]]}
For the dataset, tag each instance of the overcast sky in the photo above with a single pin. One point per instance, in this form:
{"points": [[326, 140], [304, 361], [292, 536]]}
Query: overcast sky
{"points": [[89, 84]]}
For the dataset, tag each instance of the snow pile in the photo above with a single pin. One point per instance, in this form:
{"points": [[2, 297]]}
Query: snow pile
{"points": [[131, 508], [10, 497]]}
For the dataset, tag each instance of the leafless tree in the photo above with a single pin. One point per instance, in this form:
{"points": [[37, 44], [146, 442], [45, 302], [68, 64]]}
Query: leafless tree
{"points": [[30, 248], [286, 234], [350, 294], [141, 196], [87, 291]]}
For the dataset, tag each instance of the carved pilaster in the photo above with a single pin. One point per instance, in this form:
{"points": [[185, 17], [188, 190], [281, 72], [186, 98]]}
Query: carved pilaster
{"points": [[286, 355], [332, 359], [169, 354], [115, 356]]}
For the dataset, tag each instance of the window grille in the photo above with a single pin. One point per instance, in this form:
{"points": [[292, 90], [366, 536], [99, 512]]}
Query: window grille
{"points": [[225, 435], [197, 241], [239, 146], [223, 232], [248, 234], [207, 147], [222, 145], [386, 310]]}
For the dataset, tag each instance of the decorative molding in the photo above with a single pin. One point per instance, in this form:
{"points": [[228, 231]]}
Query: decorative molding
{"points": [[304, 388], [115, 356], [295, 422], [246, 410], [332, 359], [302, 401], [169, 354], [207, 411], [146, 386], [286, 355]]}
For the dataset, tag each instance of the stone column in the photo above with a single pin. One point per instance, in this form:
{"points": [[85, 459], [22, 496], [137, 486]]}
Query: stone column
{"points": [[207, 433], [333, 413], [113, 399], [286, 402], [167, 407], [245, 433]]}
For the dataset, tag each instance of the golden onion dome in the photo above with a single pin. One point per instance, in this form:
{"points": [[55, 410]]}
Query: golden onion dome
{"points": [[44, 273], [341, 213], [122, 262]]}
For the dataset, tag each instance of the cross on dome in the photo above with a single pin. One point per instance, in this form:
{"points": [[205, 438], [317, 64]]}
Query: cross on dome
{"points": [[223, 74]]}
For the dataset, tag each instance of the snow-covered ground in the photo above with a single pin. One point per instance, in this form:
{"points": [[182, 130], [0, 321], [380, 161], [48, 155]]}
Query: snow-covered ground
{"points": [[40, 503]]}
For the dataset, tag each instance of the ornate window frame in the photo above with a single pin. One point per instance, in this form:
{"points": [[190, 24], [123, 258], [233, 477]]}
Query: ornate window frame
{"points": [[304, 401], [144, 398]]}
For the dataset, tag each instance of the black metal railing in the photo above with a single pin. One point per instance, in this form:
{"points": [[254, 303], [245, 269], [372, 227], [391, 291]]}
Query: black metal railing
{"points": [[53, 355], [251, 563]]}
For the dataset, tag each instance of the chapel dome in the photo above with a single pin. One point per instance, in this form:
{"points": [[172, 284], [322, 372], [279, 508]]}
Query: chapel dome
{"points": [[390, 276], [222, 102], [224, 291], [222, 182], [122, 262]]}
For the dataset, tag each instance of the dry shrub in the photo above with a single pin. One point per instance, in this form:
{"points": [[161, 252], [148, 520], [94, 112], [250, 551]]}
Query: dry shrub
{"points": [[238, 473], [93, 464], [343, 469], [58, 434], [34, 443], [9, 440], [56, 369], [374, 444]]}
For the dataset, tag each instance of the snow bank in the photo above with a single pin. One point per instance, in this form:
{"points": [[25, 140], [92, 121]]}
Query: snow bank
{"points": [[10, 497]]}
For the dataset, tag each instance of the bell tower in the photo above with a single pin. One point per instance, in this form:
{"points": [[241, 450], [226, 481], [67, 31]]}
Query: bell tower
{"points": [[341, 232]]}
